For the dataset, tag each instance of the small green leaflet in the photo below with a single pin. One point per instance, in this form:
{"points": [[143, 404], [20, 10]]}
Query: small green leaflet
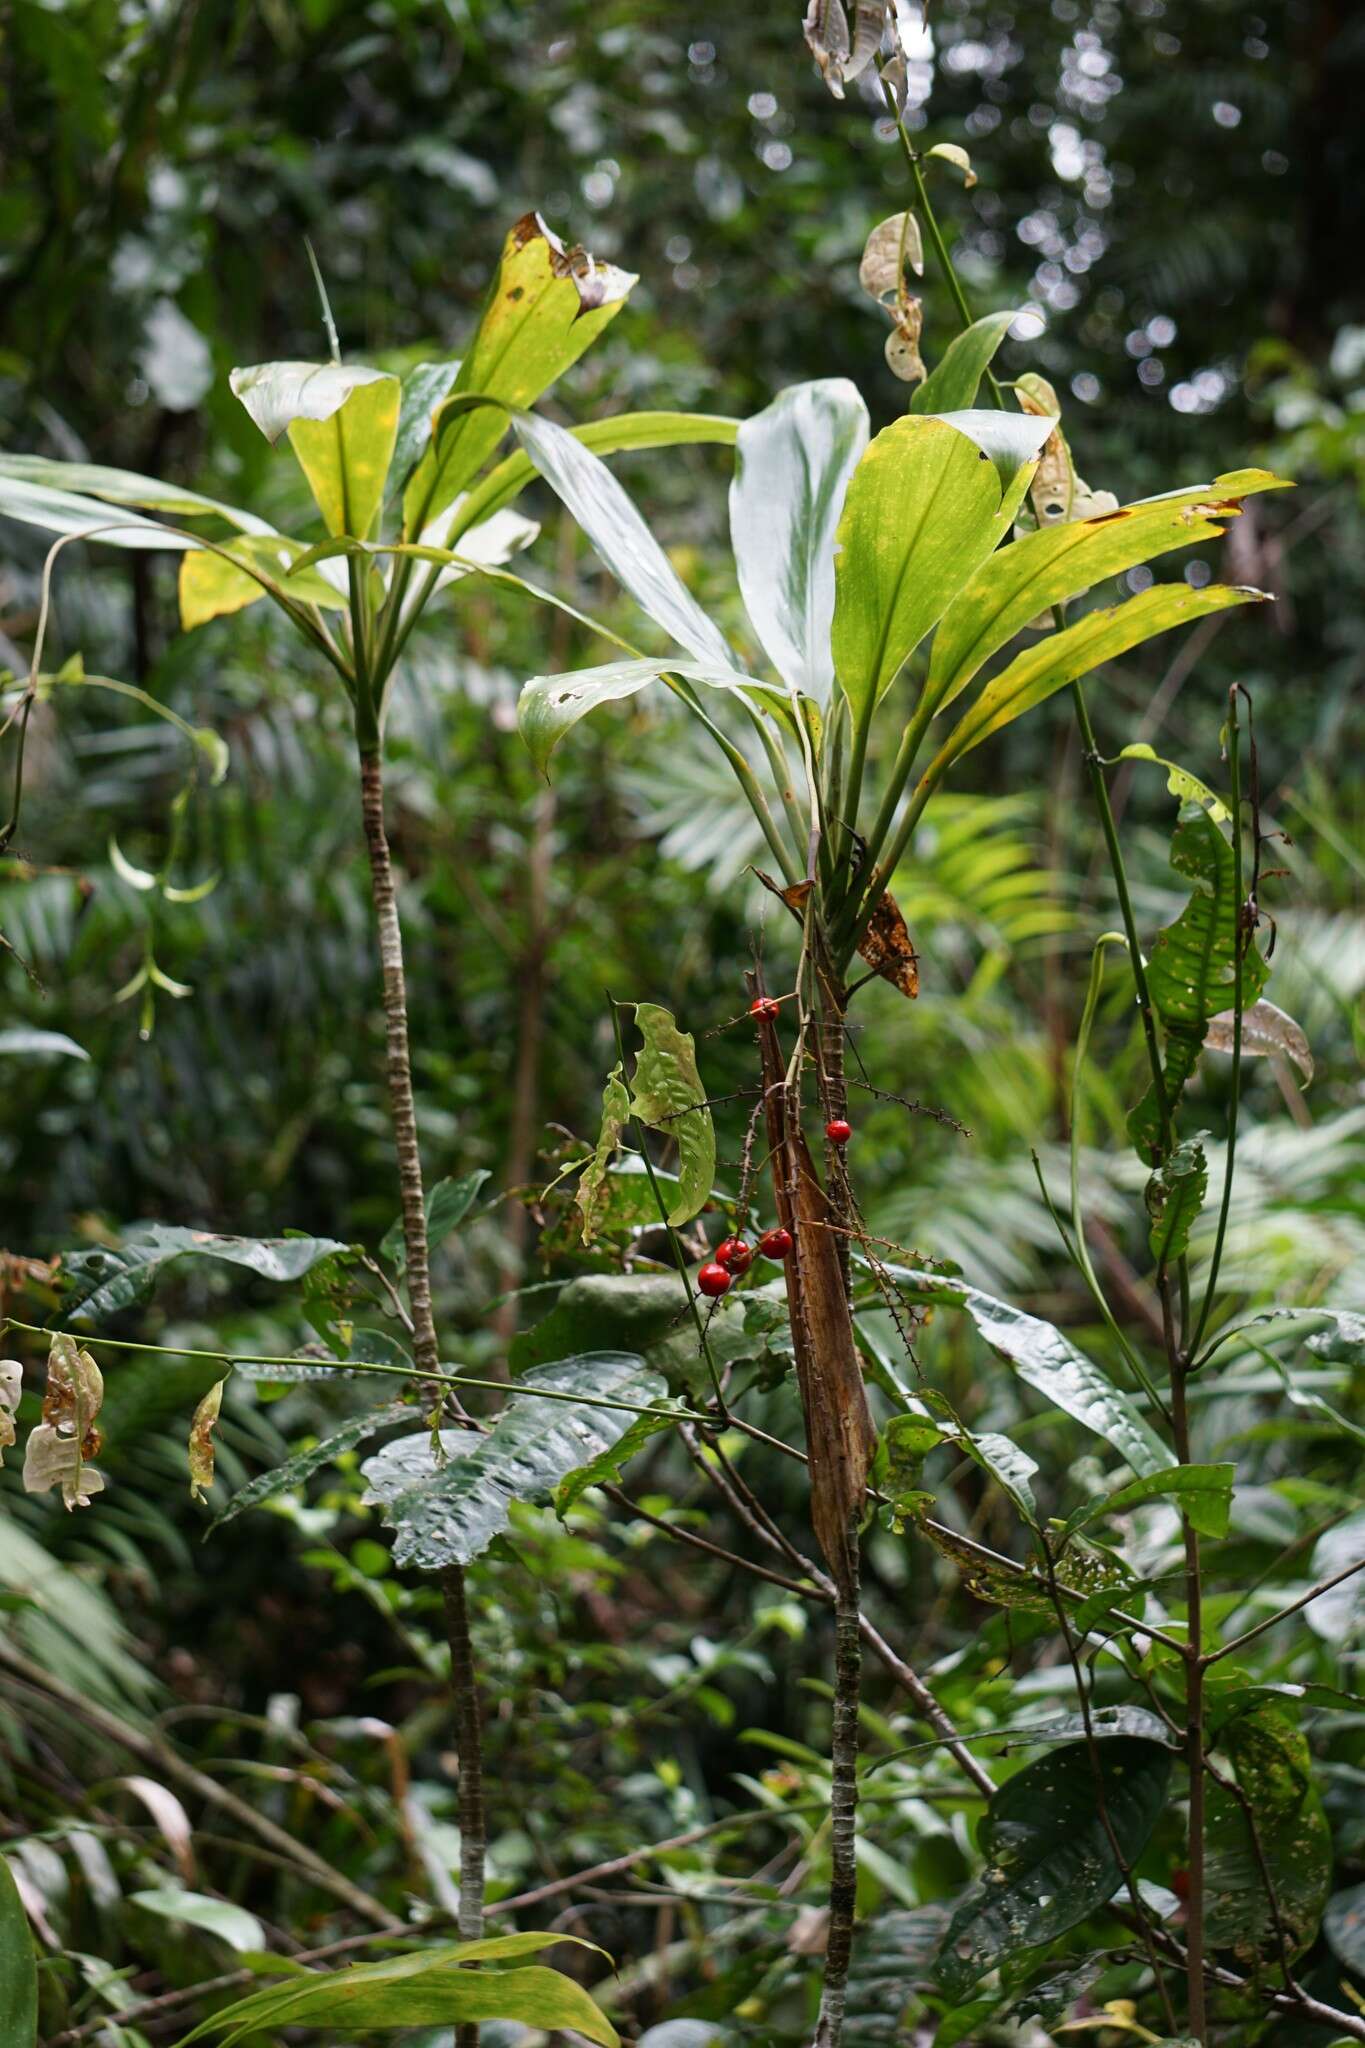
{"points": [[232, 1924], [449, 1512], [18, 1966], [592, 1186], [1049, 1859], [1175, 1195], [953, 384], [667, 1094], [448, 1202], [1202, 1492]]}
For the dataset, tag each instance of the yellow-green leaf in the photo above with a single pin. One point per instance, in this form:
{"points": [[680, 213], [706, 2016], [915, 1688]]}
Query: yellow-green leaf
{"points": [[212, 585], [346, 457]]}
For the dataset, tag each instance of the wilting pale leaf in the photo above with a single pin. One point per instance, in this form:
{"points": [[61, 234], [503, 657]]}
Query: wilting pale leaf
{"points": [[892, 254], [201, 1440], [11, 1386], [277, 394], [1265, 1029], [953, 153], [170, 1817], [60, 1445], [592, 1186], [828, 40]]}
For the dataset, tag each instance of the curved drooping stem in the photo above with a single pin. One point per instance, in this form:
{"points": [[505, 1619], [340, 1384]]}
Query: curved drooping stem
{"points": [[413, 1205]]}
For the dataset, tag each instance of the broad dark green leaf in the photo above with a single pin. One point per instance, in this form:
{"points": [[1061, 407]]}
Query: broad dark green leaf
{"points": [[296, 1471], [953, 383], [550, 706], [620, 536], [1175, 1196], [434, 1987], [1059, 562], [449, 1513], [1192, 970], [667, 1094], [1049, 1362], [545, 306], [1061, 658], [1049, 1860], [448, 1202], [922, 511], [1274, 1771], [18, 1966], [108, 1279], [793, 462], [1203, 1492], [892, 1954]]}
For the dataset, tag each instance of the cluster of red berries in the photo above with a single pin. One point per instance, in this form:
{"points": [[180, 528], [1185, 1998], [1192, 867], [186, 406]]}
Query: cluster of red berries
{"points": [[734, 1256]]}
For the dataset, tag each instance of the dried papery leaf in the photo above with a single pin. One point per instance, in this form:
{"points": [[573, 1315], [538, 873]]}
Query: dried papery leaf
{"points": [[887, 948], [892, 253], [902, 344], [59, 1447], [953, 153], [201, 1440], [828, 41], [839, 1434], [1266, 1029], [869, 20], [11, 1386], [896, 83], [1055, 479]]}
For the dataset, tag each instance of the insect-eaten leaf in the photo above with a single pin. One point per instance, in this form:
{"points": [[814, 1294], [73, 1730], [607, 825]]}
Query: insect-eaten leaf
{"points": [[667, 1094], [1175, 1195], [593, 1190], [1274, 1774], [448, 1511], [201, 1440], [892, 254], [898, 1462], [1050, 1859], [1267, 1031], [887, 948], [60, 1446], [843, 54]]}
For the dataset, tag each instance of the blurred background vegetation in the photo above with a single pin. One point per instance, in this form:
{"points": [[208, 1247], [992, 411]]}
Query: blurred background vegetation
{"points": [[1176, 193]]}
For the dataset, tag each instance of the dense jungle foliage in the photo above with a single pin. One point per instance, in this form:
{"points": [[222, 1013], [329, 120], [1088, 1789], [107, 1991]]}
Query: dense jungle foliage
{"points": [[941, 1618]]}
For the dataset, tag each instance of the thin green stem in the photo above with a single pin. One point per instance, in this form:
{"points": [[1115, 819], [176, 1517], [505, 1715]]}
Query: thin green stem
{"points": [[1238, 991]]}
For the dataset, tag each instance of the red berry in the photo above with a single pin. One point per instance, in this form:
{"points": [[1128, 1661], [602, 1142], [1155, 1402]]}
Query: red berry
{"points": [[1180, 1883], [714, 1281], [838, 1130], [764, 1006], [735, 1254], [775, 1244]]}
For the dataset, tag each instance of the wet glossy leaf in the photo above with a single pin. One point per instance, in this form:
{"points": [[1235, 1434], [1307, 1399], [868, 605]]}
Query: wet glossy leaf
{"points": [[620, 536], [892, 1953], [54, 510], [449, 1513], [1266, 1031], [1274, 1771], [922, 511], [424, 387], [435, 1987], [18, 1965], [550, 706], [108, 1279], [953, 383], [1175, 1196], [621, 432], [793, 462], [23, 1041], [448, 1202], [546, 305], [667, 1094], [201, 1458], [1040, 671], [295, 1472], [1056, 563], [1049, 1860], [1049, 1362], [277, 394], [1202, 1492]]}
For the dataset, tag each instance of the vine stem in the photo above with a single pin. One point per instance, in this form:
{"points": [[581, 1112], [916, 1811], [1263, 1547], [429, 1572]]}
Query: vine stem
{"points": [[843, 1802], [425, 1348]]}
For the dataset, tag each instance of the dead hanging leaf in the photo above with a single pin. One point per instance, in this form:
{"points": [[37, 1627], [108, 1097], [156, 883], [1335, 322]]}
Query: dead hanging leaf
{"points": [[599, 284], [896, 83], [892, 255], [953, 153], [67, 1437], [902, 344], [1266, 1030], [1057, 493], [201, 1440], [887, 948], [840, 55], [839, 1432], [11, 1386]]}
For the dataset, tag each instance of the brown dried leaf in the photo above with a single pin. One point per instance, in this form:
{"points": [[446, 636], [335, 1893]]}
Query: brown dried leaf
{"points": [[887, 948], [201, 1440], [827, 39], [902, 344], [892, 254], [11, 1386], [869, 20], [1266, 1029], [67, 1437]]}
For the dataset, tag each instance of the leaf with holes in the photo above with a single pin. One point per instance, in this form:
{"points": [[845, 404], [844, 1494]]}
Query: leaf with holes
{"points": [[667, 1094], [550, 706], [592, 1195], [1175, 1195], [449, 1512], [1049, 1859], [1274, 1774]]}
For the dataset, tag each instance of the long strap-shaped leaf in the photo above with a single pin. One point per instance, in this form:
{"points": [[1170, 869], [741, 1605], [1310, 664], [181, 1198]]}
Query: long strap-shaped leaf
{"points": [[1034, 675], [1056, 563]]}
